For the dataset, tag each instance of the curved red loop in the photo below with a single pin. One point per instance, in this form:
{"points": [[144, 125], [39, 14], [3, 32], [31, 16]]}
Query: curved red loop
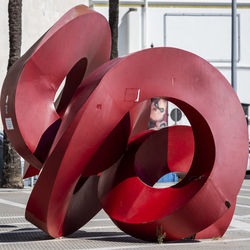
{"points": [[30, 86]]}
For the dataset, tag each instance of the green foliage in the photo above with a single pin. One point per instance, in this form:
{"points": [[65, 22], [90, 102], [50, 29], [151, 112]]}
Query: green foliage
{"points": [[216, 238], [160, 234]]}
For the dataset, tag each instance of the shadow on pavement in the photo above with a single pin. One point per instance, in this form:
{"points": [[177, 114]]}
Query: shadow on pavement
{"points": [[34, 234], [7, 226], [94, 235], [23, 235]]}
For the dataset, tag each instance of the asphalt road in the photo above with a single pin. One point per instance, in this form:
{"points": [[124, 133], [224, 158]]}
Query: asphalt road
{"points": [[101, 234]]}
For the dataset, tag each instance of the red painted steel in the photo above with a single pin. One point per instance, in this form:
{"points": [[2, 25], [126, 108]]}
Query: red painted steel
{"points": [[99, 124], [214, 178], [77, 44], [29, 89]]}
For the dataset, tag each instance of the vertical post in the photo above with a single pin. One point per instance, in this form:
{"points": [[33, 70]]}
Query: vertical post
{"points": [[32, 181], [144, 24], [234, 47], [113, 23], [164, 31], [131, 35], [175, 116]]}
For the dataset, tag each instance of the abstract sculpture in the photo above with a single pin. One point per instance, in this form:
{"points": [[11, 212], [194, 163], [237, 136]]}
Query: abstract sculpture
{"points": [[93, 146]]}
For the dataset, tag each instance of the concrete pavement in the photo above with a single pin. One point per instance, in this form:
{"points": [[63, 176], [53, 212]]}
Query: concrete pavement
{"points": [[101, 234]]}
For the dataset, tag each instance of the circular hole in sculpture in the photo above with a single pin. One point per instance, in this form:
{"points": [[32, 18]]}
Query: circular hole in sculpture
{"points": [[172, 148], [169, 145], [163, 154]]}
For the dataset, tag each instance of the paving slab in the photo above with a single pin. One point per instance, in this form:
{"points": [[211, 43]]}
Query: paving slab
{"points": [[101, 233]]}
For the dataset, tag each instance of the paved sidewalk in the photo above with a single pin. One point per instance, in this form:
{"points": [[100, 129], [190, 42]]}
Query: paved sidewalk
{"points": [[101, 234]]}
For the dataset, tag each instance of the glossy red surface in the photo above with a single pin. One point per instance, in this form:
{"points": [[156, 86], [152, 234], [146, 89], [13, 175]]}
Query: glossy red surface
{"points": [[99, 124]]}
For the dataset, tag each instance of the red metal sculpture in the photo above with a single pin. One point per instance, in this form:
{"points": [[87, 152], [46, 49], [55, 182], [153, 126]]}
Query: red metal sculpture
{"points": [[99, 125]]}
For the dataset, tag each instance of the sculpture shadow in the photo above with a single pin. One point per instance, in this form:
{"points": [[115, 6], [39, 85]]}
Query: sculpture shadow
{"points": [[129, 239], [7, 226], [34, 234], [24, 235], [120, 237]]}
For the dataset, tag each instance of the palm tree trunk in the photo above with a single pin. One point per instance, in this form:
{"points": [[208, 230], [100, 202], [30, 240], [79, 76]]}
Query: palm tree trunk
{"points": [[113, 23], [12, 172]]}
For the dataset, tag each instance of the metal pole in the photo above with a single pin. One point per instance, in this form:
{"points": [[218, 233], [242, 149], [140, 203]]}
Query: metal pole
{"points": [[144, 25], [234, 47], [175, 116]]}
